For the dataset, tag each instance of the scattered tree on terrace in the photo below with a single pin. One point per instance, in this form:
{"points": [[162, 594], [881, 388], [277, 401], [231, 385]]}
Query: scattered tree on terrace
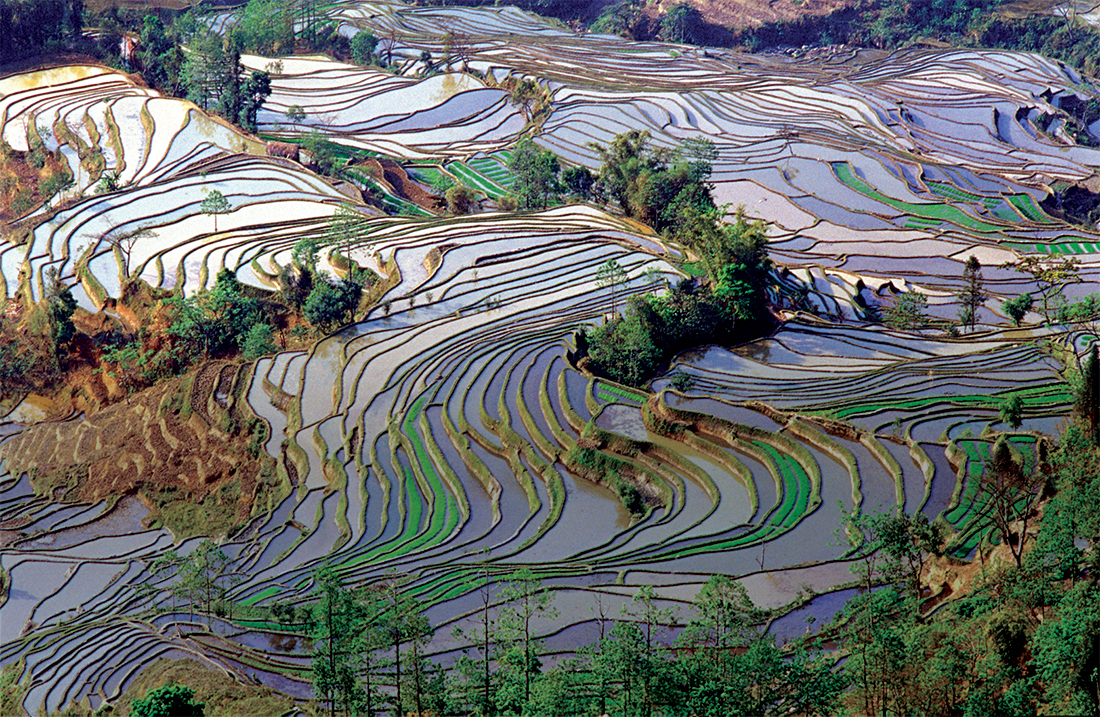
{"points": [[338, 618], [1051, 274], [362, 47], [214, 204], [526, 602], [578, 181], [611, 275], [266, 27], [125, 241], [331, 302], [400, 622], [972, 295], [258, 341], [474, 681], [1009, 490], [1017, 308], [170, 700], [460, 200], [908, 311], [536, 174], [295, 113], [1011, 410]]}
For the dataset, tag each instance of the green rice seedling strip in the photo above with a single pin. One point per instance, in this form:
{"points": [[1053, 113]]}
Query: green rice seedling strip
{"points": [[944, 212], [1034, 398], [794, 497], [262, 595], [621, 391], [444, 510], [476, 180], [1029, 209]]}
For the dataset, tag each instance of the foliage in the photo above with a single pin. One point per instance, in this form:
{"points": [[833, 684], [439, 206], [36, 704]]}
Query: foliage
{"points": [[1087, 393], [214, 204], [362, 48], [972, 295], [460, 199], [907, 311], [1051, 274], [682, 24], [536, 174], [171, 700], [1017, 308], [1011, 410], [331, 302], [257, 342]]}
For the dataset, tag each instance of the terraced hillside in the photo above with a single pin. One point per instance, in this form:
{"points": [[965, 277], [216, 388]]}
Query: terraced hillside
{"points": [[450, 431]]}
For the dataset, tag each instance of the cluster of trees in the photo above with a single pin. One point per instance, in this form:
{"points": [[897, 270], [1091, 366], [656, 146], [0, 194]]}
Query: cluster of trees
{"points": [[368, 656], [35, 345], [889, 24], [727, 301], [1022, 641], [33, 27]]}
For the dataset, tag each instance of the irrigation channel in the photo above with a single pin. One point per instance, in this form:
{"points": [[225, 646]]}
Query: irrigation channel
{"points": [[429, 438]]}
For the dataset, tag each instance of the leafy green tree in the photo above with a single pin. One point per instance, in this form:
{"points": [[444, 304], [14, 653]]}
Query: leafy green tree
{"points": [[1009, 492], [257, 342], [295, 113], [536, 174], [972, 295], [331, 302], [578, 181], [1012, 409], [1051, 274], [338, 618], [1018, 307], [170, 700], [526, 601], [266, 27], [611, 275], [362, 47], [460, 200], [400, 622], [474, 678], [214, 204], [1087, 393], [908, 311], [624, 349], [60, 305]]}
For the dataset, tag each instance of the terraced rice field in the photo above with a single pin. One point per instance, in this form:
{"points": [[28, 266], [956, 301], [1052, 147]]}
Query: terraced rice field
{"points": [[444, 432]]}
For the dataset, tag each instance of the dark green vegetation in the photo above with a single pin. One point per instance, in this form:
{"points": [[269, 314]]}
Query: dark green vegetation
{"points": [[669, 191], [368, 657], [168, 701], [890, 24]]}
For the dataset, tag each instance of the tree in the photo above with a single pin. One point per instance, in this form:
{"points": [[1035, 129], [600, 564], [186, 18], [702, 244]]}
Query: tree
{"points": [[331, 302], [1050, 274], [400, 622], [477, 675], [295, 113], [125, 241], [1087, 393], [525, 601], [362, 47], [338, 618], [1011, 410], [1010, 492], [908, 311], [170, 700], [214, 204], [972, 295], [682, 24], [257, 342], [578, 182], [536, 174], [1017, 308], [611, 275], [460, 200]]}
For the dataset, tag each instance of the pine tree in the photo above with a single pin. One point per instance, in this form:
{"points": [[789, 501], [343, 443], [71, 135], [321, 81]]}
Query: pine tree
{"points": [[972, 295]]}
